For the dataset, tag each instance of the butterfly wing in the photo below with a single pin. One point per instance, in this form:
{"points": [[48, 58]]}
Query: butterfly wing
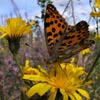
{"points": [[72, 51], [76, 35], [64, 41], [54, 25], [75, 41]]}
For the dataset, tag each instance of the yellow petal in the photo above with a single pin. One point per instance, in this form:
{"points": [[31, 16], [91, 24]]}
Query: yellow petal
{"points": [[63, 65], [95, 14], [77, 96], [3, 35], [53, 94], [98, 4], [86, 51], [42, 70], [71, 97], [65, 95], [72, 60], [40, 88], [84, 93], [31, 23], [30, 71], [26, 63], [34, 78]]}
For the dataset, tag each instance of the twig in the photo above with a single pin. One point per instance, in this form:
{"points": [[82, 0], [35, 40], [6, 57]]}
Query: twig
{"points": [[73, 12], [16, 8], [66, 7]]}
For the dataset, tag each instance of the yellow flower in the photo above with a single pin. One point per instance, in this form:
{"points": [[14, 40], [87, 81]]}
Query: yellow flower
{"points": [[13, 31], [15, 28], [95, 14], [97, 5], [65, 78], [97, 36], [2, 49], [28, 69], [72, 60], [86, 51]]}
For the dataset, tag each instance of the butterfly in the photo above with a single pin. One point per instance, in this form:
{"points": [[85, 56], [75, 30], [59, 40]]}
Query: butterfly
{"points": [[63, 40]]}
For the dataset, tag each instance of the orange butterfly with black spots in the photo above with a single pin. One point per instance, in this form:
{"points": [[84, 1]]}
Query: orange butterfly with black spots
{"points": [[63, 40]]}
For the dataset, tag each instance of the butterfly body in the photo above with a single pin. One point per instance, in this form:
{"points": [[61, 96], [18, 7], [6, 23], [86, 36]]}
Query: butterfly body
{"points": [[63, 40]]}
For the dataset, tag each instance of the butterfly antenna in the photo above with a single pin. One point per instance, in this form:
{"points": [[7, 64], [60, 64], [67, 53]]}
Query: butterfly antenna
{"points": [[28, 45]]}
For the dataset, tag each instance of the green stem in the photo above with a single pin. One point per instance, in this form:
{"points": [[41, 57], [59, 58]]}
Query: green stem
{"points": [[93, 66], [23, 96], [97, 26], [17, 63]]}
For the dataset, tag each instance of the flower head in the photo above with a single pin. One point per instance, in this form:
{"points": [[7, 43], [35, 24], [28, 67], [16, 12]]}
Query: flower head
{"points": [[15, 28], [97, 5], [13, 31], [97, 37], [95, 14], [65, 78], [86, 51]]}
